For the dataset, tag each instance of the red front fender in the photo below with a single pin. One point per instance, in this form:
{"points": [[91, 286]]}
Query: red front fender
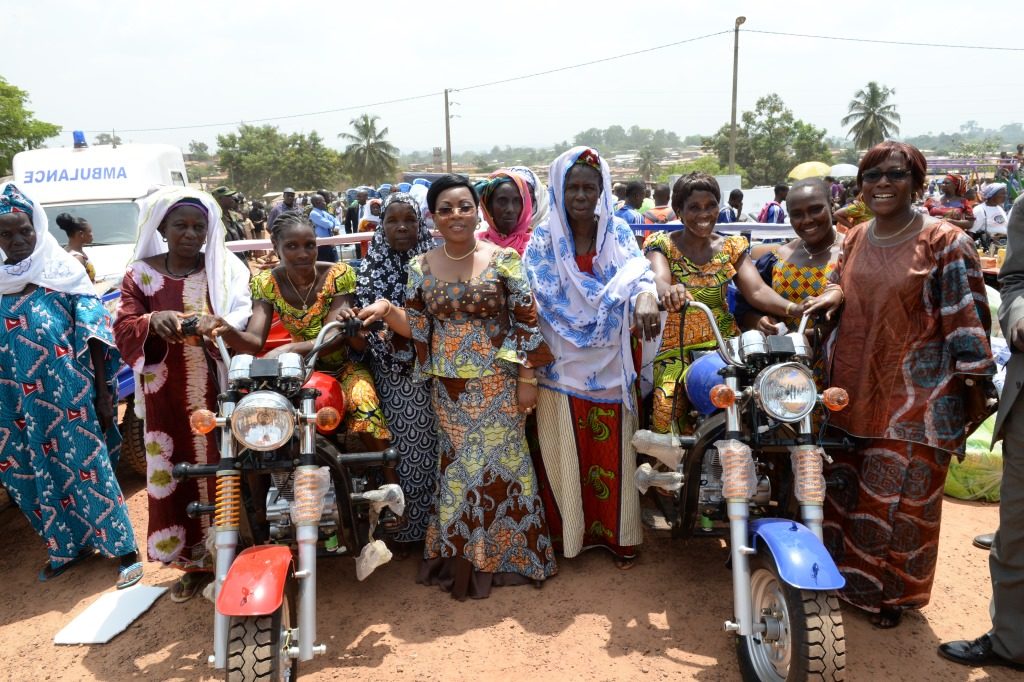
{"points": [[255, 582]]}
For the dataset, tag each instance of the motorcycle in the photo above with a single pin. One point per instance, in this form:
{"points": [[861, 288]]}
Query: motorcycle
{"points": [[273, 420], [755, 463]]}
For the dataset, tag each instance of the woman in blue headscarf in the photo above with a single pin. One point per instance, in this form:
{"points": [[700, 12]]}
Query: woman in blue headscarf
{"points": [[57, 365]]}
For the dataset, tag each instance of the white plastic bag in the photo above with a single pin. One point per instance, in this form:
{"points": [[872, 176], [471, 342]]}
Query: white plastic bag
{"points": [[647, 477], [374, 554], [388, 495], [663, 447]]}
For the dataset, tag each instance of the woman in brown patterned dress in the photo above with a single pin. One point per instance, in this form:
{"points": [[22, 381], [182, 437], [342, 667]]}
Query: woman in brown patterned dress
{"points": [[470, 312]]}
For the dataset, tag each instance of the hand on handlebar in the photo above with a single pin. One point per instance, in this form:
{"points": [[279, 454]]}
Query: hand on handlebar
{"points": [[674, 297], [376, 311], [827, 303], [211, 326], [167, 325], [766, 325]]}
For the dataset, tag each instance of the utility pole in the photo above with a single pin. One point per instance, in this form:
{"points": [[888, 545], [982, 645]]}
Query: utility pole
{"points": [[735, 70], [447, 133]]}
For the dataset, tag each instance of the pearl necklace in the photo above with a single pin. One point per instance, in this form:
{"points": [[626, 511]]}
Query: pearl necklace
{"points": [[874, 232], [466, 255]]}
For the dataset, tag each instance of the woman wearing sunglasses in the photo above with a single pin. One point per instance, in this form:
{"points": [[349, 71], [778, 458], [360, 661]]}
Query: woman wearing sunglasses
{"points": [[912, 349], [471, 315]]}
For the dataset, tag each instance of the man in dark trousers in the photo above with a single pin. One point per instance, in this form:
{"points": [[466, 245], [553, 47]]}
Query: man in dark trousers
{"points": [[1004, 643], [355, 212]]}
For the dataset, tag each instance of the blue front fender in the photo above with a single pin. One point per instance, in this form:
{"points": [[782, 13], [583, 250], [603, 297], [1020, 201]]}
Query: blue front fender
{"points": [[802, 560]]}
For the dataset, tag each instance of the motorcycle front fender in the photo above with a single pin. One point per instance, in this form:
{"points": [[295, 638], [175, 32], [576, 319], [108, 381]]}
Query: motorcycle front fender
{"points": [[802, 560], [255, 583]]}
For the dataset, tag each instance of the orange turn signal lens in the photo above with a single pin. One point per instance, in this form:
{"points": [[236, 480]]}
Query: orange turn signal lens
{"points": [[722, 396], [328, 419], [202, 421], [835, 398]]}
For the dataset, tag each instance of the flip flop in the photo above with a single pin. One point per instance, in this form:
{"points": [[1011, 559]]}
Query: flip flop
{"points": [[129, 575], [188, 586], [48, 572], [625, 563]]}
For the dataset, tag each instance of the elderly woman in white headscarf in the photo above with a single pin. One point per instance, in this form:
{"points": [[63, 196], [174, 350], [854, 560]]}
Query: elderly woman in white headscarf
{"points": [[592, 286], [990, 216], [58, 442], [181, 270]]}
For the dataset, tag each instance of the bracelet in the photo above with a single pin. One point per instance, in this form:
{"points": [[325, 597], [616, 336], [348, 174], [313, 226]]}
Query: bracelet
{"points": [[388, 312], [529, 380], [789, 309]]}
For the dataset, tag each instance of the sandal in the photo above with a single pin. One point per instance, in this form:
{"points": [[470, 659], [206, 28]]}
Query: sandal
{"points": [[129, 575], [188, 586], [888, 617], [49, 571], [625, 563]]}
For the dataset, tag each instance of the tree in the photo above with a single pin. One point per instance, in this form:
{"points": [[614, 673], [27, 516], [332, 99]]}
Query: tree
{"points": [[369, 158], [648, 160], [19, 130], [107, 138], [770, 141], [260, 158], [874, 119], [199, 151], [705, 164]]}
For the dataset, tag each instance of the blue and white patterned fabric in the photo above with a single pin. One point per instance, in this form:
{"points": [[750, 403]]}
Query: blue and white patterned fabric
{"points": [[586, 318]]}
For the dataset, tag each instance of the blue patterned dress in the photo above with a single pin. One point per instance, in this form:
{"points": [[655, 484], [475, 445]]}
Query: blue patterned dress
{"points": [[54, 459]]}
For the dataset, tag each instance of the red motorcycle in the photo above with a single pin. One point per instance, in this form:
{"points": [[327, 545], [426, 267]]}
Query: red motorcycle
{"points": [[286, 493]]}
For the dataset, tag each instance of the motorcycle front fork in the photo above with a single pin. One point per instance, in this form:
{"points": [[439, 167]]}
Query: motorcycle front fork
{"points": [[739, 541]]}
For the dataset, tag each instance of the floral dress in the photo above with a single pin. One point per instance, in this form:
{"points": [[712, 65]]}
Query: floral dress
{"points": [[363, 412], [708, 284], [487, 526]]}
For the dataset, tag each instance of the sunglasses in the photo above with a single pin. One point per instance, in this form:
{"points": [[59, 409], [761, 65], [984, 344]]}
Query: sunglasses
{"points": [[894, 175], [448, 211]]}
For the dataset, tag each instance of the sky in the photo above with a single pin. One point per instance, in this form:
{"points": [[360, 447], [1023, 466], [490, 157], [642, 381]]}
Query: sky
{"points": [[125, 66]]}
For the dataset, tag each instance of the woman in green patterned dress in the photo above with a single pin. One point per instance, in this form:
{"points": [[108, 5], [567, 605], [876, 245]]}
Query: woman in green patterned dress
{"points": [[704, 263]]}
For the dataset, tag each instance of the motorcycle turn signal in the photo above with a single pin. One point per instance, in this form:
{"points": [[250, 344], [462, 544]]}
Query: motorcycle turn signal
{"points": [[722, 396], [202, 421], [835, 398]]}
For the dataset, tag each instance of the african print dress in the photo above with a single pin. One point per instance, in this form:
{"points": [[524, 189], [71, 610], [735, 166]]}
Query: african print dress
{"points": [[487, 527], [363, 413], [913, 331], [708, 284], [54, 460], [176, 380]]}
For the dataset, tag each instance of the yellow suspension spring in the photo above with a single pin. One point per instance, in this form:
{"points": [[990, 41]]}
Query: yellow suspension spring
{"points": [[228, 500]]}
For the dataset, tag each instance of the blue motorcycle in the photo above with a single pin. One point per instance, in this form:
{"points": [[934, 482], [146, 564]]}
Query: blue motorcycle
{"points": [[755, 464]]}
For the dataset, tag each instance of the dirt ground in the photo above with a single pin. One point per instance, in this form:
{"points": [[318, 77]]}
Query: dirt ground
{"points": [[660, 621]]}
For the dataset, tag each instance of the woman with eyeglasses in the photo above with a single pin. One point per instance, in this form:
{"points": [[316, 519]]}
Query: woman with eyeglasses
{"points": [[471, 315], [952, 205], [912, 349]]}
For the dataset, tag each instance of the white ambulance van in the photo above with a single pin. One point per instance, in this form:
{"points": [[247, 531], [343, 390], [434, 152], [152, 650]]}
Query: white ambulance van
{"points": [[102, 184]]}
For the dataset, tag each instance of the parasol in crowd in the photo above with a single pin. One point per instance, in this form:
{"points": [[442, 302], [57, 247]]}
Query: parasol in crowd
{"points": [[810, 169]]}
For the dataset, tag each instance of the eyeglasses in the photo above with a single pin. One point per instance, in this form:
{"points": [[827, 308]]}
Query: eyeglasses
{"points": [[449, 211], [894, 175]]}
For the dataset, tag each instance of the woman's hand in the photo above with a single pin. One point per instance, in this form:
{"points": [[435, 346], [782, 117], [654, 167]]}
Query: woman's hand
{"points": [[527, 395], [766, 325], [211, 326], [345, 313], [646, 318], [167, 325], [674, 297], [104, 405], [378, 310], [828, 303]]}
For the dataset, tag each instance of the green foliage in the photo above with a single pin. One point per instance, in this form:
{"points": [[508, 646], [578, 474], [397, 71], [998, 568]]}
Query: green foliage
{"points": [[705, 164], [483, 165], [259, 159], [1007, 138], [19, 130], [874, 119], [647, 162], [199, 151], [616, 138], [107, 138], [369, 158], [988, 146], [770, 141]]}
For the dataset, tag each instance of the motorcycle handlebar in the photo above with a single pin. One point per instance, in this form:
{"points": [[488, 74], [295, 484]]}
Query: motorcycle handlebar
{"points": [[346, 328], [184, 470]]}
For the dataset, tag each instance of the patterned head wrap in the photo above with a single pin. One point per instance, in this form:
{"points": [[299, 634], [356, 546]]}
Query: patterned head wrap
{"points": [[959, 183], [589, 157], [538, 192], [992, 189], [13, 201], [189, 201], [383, 274], [520, 235]]}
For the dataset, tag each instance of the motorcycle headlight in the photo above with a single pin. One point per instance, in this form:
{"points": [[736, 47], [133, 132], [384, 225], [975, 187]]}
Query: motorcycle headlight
{"points": [[786, 392], [263, 420]]}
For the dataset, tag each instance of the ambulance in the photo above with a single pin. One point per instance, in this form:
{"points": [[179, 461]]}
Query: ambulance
{"points": [[102, 184]]}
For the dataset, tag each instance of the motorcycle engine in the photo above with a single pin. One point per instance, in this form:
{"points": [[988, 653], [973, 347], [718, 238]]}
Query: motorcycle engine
{"points": [[711, 479], [279, 499]]}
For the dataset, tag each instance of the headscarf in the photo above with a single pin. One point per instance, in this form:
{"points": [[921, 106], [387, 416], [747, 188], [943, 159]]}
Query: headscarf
{"points": [[992, 189], [369, 221], [49, 265], [539, 194], [959, 183], [520, 235], [383, 274], [586, 318], [227, 278]]}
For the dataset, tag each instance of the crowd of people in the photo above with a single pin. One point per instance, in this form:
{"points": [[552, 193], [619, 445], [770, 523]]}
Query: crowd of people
{"points": [[508, 373]]}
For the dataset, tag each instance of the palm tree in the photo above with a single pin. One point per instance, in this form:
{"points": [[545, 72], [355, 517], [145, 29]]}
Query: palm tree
{"points": [[873, 118], [369, 157], [648, 164]]}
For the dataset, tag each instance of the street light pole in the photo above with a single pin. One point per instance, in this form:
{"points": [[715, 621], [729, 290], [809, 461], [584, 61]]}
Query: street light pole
{"points": [[447, 133], [735, 69]]}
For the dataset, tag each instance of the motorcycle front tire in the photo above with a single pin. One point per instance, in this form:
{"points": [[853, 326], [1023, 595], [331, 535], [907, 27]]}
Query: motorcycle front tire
{"points": [[812, 645], [258, 645]]}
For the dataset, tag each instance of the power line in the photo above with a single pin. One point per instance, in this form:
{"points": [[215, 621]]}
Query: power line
{"points": [[887, 42]]}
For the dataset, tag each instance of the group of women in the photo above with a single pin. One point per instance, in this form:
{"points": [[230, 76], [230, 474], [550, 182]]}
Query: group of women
{"points": [[540, 326]]}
